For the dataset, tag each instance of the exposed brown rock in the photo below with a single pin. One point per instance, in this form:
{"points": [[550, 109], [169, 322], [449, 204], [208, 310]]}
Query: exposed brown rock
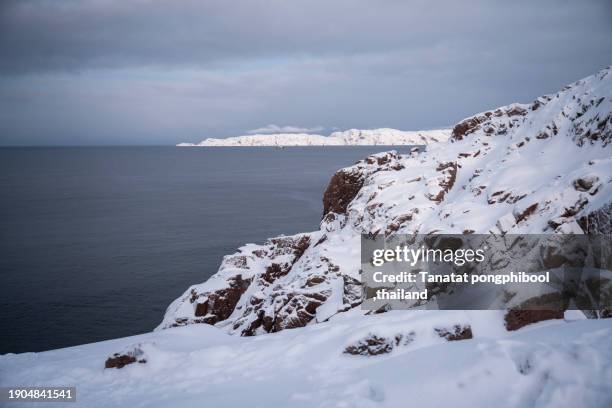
{"points": [[403, 339], [201, 309], [352, 291], [259, 253], [290, 245], [598, 222], [498, 197], [383, 160], [542, 135], [346, 183], [449, 169], [314, 280], [274, 271], [300, 246], [298, 311], [372, 345], [239, 261], [449, 174], [324, 237], [293, 310], [470, 125], [398, 222], [457, 332], [517, 318], [476, 191], [121, 360], [575, 208], [585, 183], [220, 304], [516, 111], [285, 245], [342, 189], [467, 126], [526, 212]]}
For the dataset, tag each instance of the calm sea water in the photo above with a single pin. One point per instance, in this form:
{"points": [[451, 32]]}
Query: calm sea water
{"points": [[96, 242]]}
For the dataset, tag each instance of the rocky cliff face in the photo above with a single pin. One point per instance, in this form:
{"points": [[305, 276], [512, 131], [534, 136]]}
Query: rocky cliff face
{"points": [[544, 167]]}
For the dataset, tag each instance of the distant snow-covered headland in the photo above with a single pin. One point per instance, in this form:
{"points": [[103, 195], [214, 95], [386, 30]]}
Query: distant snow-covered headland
{"points": [[351, 137]]}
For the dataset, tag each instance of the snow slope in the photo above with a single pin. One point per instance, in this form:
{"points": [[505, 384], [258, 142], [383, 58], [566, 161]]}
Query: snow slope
{"points": [[544, 167], [550, 364], [349, 137]]}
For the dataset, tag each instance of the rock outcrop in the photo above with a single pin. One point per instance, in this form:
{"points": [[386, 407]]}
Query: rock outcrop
{"points": [[457, 332], [515, 318], [120, 360]]}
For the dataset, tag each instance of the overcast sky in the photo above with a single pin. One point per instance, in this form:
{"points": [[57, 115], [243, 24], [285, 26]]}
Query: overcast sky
{"points": [[162, 72]]}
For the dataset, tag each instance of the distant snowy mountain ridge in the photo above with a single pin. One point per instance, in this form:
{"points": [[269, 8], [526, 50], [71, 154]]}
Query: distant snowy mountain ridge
{"points": [[383, 136]]}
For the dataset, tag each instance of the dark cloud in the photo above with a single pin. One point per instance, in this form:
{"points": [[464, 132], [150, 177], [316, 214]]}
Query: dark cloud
{"points": [[159, 72]]}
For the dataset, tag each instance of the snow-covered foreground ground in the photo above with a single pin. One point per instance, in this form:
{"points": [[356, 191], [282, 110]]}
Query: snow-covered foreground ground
{"points": [[548, 364]]}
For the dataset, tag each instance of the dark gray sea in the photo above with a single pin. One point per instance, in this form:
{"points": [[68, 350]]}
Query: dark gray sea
{"points": [[95, 242]]}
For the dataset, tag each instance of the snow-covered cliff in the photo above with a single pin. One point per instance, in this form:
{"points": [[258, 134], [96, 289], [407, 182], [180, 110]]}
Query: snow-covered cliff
{"points": [[349, 137], [544, 167]]}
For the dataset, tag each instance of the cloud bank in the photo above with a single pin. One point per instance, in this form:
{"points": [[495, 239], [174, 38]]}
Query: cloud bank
{"points": [[149, 71]]}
